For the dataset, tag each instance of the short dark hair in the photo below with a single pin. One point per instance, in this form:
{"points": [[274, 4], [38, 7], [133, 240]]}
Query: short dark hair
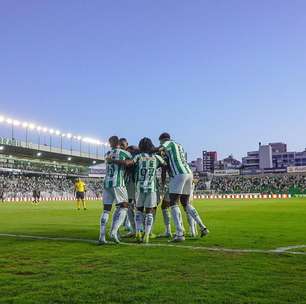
{"points": [[146, 145], [132, 149], [123, 139], [164, 135], [113, 141]]}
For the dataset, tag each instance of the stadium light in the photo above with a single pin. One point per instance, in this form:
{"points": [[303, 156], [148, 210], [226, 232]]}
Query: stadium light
{"points": [[31, 126], [94, 162], [69, 158], [38, 154], [16, 123], [1, 148], [39, 128]]}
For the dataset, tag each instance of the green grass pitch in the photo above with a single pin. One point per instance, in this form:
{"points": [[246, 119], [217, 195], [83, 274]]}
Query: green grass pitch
{"points": [[53, 271]]}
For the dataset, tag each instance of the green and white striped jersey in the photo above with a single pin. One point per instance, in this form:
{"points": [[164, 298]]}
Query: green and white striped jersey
{"points": [[146, 169], [115, 173], [176, 158]]}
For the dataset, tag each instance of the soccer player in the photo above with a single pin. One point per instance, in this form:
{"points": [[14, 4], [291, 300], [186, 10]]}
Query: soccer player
{"points": [[114, 190], [130, 186], [180, 186], [80, 190], [36, 196], [146, 163]]}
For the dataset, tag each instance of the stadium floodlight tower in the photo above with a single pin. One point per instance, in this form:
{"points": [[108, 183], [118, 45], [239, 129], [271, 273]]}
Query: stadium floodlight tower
{"points": [[52, 133]]}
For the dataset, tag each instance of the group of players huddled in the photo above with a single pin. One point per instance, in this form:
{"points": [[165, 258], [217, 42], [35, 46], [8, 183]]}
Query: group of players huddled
{"points": [[131, 182]]}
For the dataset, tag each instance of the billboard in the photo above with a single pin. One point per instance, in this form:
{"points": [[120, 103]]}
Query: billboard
{"points": [[226, 172], [296, 169]]}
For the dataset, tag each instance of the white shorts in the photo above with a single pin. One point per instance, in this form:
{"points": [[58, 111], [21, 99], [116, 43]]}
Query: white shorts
{"points": [[181, 184], [146, 200], [118, 195]]}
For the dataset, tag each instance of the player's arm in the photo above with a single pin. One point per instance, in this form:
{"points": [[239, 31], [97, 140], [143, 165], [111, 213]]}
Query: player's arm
{"points": [[127, 160], [121, 162]]}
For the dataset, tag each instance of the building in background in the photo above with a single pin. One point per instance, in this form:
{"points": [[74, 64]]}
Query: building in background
{"points": [[272, 158], [197, 165], [210, 158]]}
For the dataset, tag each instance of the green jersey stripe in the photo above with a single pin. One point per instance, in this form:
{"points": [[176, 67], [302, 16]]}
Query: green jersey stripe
{"points": [[176, 156], [114, 173], [146, 169]]}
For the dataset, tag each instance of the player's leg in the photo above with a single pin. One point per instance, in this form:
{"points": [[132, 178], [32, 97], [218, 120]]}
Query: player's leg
{"points": [[131, 217], [166, 216], [175, 190], [139, 216], [191, 222], [108, 199], [131, 189], [121, 198], [185, 199], [83, 201], [150, 205], [78, 201], [126, 223]]}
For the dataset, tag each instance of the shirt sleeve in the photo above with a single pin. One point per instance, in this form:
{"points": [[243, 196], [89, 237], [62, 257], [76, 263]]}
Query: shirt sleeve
{"points": [[135, 159], [165, 145], [160, 160], [123, 155]]}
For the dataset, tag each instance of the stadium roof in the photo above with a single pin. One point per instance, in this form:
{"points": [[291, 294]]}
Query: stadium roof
{"points": [[44, 153]]}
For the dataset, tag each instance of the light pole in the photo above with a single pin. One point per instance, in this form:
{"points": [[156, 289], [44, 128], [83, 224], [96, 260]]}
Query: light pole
{"points": [[27, 131], [50, 142]]}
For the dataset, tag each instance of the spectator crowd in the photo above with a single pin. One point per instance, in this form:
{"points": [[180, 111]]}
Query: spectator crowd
{"points": [[282, 183], [23, 185]]}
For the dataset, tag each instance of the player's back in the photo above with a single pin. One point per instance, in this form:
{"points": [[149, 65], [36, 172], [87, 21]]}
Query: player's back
{"points": [[176, 158], [115, 173], [146, 169]]}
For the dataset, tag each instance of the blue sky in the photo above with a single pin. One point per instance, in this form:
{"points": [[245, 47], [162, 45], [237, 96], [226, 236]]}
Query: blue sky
{"points": [[220, 75]]}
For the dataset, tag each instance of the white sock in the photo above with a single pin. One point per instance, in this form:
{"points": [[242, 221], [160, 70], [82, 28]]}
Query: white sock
{"points": [[131, 217], [195, 215], [177, 219], [118, 220], [139, 221], [127, 223], [148, 223], [103, 222], [166, 216], [182, 223], [114, 216], [192, 224]]}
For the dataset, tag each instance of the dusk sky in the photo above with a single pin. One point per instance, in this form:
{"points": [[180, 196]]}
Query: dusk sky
{"points": [[220, 75]]}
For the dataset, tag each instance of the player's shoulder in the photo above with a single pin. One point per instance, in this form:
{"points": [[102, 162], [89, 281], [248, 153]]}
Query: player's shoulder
{"points": [[167, 144], [159, 158], [124, 153]]}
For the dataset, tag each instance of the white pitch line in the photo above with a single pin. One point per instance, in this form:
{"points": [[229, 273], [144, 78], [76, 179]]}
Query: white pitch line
{"points": [[280, 250]]}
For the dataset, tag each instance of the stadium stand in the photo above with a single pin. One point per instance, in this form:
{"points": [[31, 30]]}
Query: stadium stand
{"points": [[52, 173], [269, 184]]}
